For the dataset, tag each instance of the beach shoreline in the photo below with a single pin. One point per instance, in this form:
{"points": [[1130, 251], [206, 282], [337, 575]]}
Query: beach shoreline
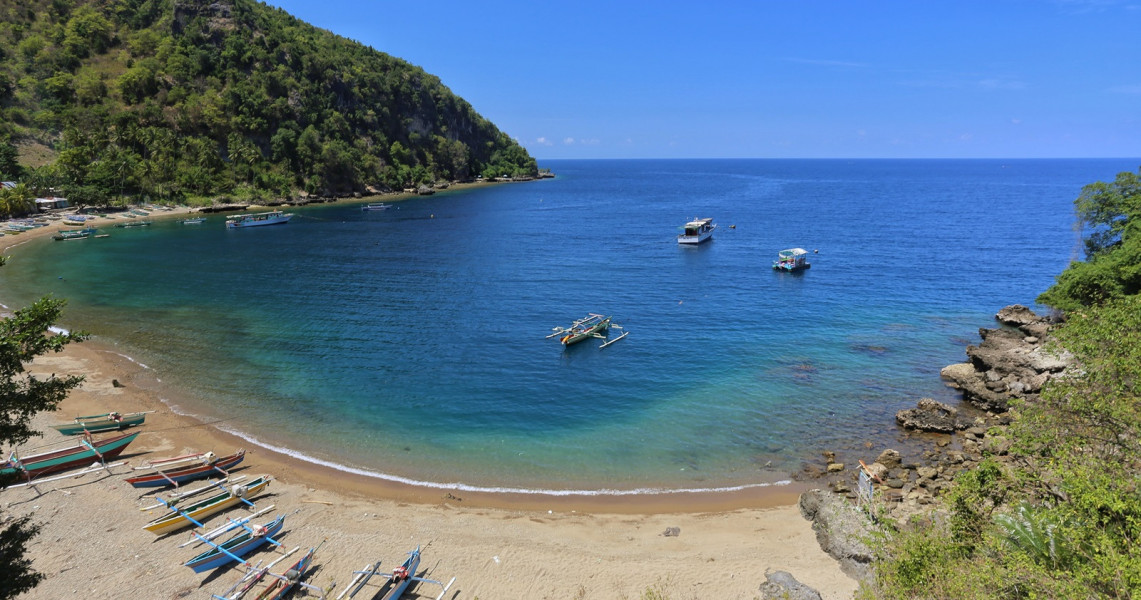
{"points": [[560, 546]]}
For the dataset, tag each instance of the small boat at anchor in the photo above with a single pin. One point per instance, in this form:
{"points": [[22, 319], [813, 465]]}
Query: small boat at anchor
{"points": [[697, 231], [792, 260], [193, 221], [376, 206], [111, 421], [275, 217], [592, 325], [72, 234]]}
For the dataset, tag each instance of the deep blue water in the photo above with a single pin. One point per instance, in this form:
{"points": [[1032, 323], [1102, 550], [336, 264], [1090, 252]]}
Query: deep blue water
{"points": [[412, 342]]}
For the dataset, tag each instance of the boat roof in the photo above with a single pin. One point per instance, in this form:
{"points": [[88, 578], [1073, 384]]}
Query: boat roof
{"points": [[698, 222], [794, 251]]}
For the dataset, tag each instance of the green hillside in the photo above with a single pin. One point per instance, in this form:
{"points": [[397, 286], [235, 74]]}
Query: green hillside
{"points": [[157, 100]]}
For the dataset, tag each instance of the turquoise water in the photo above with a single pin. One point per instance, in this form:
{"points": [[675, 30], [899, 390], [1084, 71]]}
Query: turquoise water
{"points": [[411, 343]]}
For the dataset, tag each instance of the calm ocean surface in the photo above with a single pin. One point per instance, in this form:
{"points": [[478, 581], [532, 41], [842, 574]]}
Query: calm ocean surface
{"points": [[411, 343]]}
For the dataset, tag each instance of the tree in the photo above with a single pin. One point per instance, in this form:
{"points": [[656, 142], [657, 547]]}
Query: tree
{"points": [[1111, 214], [1107, 210], [23, 337]]}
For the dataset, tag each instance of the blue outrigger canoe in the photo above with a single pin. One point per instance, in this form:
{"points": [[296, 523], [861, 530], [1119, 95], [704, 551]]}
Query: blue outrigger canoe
{"points": [[236, 547]]}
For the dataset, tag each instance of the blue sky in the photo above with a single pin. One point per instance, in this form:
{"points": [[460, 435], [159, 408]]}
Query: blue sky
{"points": [[769, 79]]}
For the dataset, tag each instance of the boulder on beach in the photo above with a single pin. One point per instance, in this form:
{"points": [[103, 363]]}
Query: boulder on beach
{"points": [[781, 585], [929, 415], [842, 530]]}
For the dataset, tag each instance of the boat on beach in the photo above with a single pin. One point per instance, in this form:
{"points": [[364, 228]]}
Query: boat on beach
{"points": [[274, 586], [203, 465], [178, 518], [275, 217], [791, 260], [81, 454], [593, 325], [376, 206], [397, 582], [697, 231], [239, 545], [111, 421]]}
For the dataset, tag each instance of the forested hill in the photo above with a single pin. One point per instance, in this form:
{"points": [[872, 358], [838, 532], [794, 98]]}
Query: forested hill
{"points": [[182, 100]]}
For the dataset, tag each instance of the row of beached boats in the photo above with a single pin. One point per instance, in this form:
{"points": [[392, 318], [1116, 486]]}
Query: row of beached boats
{"points": [[245, 536], [700, 230]]}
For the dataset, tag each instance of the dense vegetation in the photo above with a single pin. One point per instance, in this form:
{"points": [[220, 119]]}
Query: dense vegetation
{"points": [[1063, 518], [1110, 214], [168, 100]]}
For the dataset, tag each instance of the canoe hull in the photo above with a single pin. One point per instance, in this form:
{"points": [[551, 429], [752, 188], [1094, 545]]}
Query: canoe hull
{"points": [[68, 458], [97, 425], [175, 520], [238, 545], [184, 474], [396, 587]]}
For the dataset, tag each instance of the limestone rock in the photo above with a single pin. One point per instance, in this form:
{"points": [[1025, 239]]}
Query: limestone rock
{"points": [[781, 585], [929, 415], [842, 530]]}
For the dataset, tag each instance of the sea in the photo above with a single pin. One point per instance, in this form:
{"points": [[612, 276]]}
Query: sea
{"points": [[414, 344]]}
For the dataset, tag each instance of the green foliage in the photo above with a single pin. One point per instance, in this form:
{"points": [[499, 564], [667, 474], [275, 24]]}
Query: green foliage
{"points": [[1062, 519], [23, 337], [164, 87], [18, 574], [1110, 214]]}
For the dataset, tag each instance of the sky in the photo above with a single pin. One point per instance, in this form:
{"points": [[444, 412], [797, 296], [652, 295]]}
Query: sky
{"points": [[776, 79]]}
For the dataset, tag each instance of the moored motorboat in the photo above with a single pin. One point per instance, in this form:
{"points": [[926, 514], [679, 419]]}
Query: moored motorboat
{"points": [[791, 260], [697, 231], [193, 221], [275, 217], [376, 206]]}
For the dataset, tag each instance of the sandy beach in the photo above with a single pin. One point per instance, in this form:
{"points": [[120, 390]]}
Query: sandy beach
{"points": [[92, 543]]}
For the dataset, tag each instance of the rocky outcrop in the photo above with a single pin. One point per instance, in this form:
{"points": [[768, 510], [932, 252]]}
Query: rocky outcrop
{"points": [[929, 415], [842, 530], [781, 585], [1011, 362]]}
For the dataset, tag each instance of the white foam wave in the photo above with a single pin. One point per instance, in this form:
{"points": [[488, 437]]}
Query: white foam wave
{"points": [[129, 358], [464, 487]]}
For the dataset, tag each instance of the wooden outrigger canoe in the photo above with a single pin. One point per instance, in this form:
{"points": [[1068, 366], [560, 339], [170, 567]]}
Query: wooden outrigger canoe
{"points": [[207, 465], [83, 453], [278, 584], [591, 326], [105, 422], [398, 581], [239, 545], [178, 518]]}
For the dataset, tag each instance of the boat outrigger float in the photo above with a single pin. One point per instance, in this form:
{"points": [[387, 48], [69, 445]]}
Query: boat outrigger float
{"points": [[592, 325]]}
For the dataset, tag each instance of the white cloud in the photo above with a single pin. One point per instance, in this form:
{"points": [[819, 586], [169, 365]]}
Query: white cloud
{"points": [[568, 141], [544, 141]]}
